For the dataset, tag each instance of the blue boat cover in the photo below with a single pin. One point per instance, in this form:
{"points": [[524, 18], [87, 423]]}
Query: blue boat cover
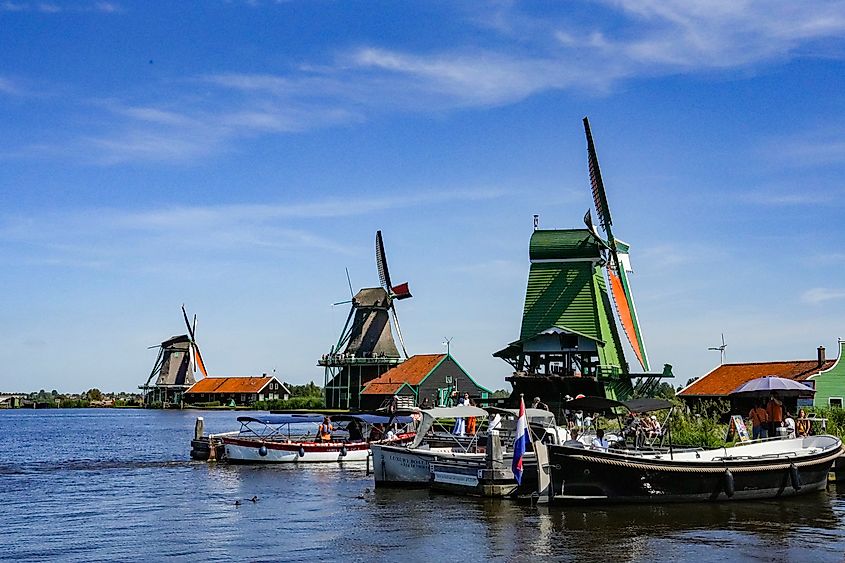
{"points": [[282, 418], [278, 419]]}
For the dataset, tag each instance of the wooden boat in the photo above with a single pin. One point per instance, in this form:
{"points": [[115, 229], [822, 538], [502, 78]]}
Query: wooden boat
{"points": [[289, 439], [481, 466], [752, 470]]}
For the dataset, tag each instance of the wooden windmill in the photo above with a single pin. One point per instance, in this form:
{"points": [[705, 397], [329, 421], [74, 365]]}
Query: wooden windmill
{"points": [[365, 348], [178, 361], [569, 341]]}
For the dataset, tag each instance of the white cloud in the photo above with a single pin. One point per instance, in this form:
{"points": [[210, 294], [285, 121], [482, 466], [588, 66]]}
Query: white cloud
{"points": [[521, 56], [819, 295]]}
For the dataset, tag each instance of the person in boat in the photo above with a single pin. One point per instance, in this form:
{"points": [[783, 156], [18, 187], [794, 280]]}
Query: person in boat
{"points": [[803, 424], [425, 404], [538, 404], [573, 441], [775, 412], [376, 433], [789, 424], [324, 432], [471, 422], [759, 421], [460, 424], [599, 442], [355, 432]]}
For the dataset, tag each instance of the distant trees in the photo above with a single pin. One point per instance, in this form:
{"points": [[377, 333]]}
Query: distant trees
{"points": [[501, 394], [310, 389], [94, 394]]}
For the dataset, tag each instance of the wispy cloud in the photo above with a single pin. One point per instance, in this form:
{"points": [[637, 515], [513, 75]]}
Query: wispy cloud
{"points": [[55, 8], [519, 56], [819, 295], [102, 237]]}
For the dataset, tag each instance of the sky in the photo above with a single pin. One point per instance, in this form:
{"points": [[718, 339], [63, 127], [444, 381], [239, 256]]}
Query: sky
{"points": [[237, 156]]}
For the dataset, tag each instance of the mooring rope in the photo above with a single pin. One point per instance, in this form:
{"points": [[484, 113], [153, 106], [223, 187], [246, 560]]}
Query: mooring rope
{"points": [[720, 469]]}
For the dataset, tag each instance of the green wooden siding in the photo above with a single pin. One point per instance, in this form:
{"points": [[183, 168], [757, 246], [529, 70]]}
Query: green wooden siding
{"points": [[831, 383], [614, 370], [560, 294]]}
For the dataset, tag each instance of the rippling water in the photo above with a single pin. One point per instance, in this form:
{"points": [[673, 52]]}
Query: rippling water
{"points": [[94, 485]]}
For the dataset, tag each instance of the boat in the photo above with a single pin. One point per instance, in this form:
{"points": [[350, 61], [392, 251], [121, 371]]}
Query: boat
{"points": [[476, 465], [761, 469], [287, 438]]}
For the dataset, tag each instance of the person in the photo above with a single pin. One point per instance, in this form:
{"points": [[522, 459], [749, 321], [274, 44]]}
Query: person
{"points": [[775, 411], [471, 422], [789, 424], [759, 421], [425, 404], [355, 432], [460, 424], [538, 404], [325, 430], [802, 426], [573, 441], [599, 442], [376, 433]]}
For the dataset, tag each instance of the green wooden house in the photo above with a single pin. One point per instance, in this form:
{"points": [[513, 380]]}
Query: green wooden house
{"points": [[830, 383]]}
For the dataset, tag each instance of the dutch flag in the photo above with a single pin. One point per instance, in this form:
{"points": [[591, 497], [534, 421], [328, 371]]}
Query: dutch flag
{"points": [[520, 443]]}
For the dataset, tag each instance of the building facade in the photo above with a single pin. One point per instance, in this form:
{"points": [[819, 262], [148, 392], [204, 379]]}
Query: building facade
{"points": [[236, 391]]}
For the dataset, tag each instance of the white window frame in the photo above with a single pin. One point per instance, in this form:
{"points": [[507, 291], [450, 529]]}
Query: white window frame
{"points": [[841, 402]]}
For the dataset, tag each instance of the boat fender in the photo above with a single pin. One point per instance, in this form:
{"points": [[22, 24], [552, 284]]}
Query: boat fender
{"points": [[343, 451], [729, 483], [794, 477], [301, 451], [262, 451]]}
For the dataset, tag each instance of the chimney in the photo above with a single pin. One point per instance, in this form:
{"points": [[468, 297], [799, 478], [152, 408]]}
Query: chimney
{"points": [[821, 356]]}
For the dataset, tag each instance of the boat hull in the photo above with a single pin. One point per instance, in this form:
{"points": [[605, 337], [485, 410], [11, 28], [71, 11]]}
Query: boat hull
{"points": [[396, 465], [249, 450], [587, 476], [465, 473]]}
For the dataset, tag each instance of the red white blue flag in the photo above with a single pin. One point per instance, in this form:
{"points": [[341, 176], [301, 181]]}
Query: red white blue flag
{"points": [[520, 443]]}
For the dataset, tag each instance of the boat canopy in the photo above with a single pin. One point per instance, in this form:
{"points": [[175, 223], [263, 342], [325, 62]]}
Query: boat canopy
{"points": [[647, 405], [282, 418], [602, 404], [374, 418], [429, 416], [537, 416]]}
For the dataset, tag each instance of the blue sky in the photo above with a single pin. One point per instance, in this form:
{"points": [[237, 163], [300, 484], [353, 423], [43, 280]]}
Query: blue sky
{"points": [[236, 156]]}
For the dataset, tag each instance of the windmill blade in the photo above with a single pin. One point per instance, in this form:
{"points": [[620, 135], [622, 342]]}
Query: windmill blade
{"points": [[349, 281], [157, 366], [599, 195], [188, 323], [198, 363], [381, 263], [342, 302], [627, 312], [398, 330]]}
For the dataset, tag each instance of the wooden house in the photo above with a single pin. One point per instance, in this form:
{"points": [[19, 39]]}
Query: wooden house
{"points": [[236, 390], [429, 379]]}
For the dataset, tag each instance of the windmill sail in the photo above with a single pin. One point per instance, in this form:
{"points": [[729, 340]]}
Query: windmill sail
{"points": [[619, 264], [194, 349]]}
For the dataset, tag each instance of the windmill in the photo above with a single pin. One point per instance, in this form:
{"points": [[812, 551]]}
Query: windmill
{"points": [[365, 348], [617, 263], [721, 350], [178, 360]]}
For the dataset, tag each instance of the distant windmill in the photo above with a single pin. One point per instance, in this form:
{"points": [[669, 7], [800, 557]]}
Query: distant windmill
{"points": [[721, 349], [178, 360]]}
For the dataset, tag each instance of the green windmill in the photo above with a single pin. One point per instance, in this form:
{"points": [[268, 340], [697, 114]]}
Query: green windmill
{"points": [[569, 342]]}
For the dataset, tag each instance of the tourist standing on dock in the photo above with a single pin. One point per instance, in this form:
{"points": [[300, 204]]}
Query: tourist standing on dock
{"points": [[471, 422], [759, 421], [460, 424], [775, 412]]}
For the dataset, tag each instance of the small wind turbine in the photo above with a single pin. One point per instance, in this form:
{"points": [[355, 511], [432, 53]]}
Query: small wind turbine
{"points": [[721, 349]]}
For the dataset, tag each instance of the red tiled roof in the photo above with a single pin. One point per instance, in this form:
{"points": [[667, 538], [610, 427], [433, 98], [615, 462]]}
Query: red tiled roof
{"points": [[230, 384], [727, 377], [412, 371]]}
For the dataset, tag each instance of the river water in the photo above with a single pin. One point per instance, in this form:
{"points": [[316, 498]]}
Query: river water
{"points": [[118, 485]]}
